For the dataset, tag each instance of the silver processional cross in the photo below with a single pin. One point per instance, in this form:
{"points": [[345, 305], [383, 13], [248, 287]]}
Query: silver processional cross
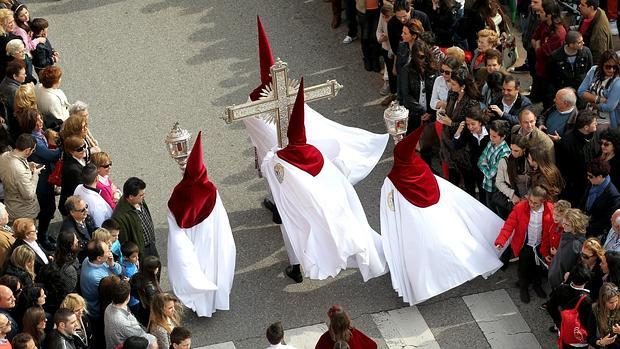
{"points": [[280, 99]]}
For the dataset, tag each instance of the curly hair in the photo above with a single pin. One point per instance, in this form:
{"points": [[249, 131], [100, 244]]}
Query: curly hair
{"points": [[613, 136], [577, 219]]}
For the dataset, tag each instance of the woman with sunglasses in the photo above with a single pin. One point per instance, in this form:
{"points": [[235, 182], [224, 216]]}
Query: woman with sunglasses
{"points": [[601, 90], [592, 253], [601, 199], [108, 190], [441, 87], [74, 160], [610, 141]]}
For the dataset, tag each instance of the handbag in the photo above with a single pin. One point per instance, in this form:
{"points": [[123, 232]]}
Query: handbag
{"points": [[55, 177]]}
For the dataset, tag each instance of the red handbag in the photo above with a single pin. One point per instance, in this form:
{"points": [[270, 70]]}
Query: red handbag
{"points": [[55, 177]]}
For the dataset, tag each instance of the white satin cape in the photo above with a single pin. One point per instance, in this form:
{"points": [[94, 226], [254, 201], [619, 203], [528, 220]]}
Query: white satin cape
{"points": [[201, 261], [434, 249], [324, 221], [353, 150]]}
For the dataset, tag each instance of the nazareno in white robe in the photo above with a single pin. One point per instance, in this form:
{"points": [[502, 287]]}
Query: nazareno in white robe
{"points": [[433, 249], [201, 261], [323, 222], [353, 150]]}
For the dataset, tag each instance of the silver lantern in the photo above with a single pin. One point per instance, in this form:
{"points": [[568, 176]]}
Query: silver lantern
{"points": [[396, 117], [177, 142]]}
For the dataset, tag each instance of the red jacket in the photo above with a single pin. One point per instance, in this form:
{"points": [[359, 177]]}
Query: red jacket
{"points": [[551, 238], [358, 341], [517, 222]]}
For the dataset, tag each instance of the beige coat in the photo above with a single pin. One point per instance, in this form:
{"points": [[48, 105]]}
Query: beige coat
{"points": [[20, 186], [538, 139], [6, 242]]}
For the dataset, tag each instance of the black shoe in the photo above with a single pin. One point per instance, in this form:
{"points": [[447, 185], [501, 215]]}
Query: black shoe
{"points": [[376, 66], [367, 65], [553, 329], [294, 272], [274, 211], [525, 295], [539, 291], [504, 266]]}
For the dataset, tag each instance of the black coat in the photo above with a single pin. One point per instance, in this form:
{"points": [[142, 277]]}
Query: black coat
{"points": [[410, 88], [71, 178], [566, 74], [572, 154], [57, 340], [566, 297], [602, 209], [38, 262]]}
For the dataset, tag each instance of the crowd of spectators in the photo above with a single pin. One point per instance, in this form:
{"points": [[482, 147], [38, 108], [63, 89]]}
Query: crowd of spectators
{"points": [[542, 156], [93, 283]]}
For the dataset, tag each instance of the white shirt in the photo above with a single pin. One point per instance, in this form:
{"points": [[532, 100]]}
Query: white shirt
{"points": [[508, 107], [440, 92], [534, 228], [98, 208]]}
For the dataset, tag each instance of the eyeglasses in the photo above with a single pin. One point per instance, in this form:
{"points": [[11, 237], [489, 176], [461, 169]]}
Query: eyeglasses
{"points": [[82, 210], [610, 66], [448, 72], [590, 176], [32, 231], [605, 143], [585, 256], [106, 165], [82, 148]]}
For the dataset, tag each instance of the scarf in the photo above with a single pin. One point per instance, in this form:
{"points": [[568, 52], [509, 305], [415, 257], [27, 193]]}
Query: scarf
{"points": [[595, 191]]}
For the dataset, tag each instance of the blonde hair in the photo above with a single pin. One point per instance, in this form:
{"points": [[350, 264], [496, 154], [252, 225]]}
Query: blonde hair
{"points": [[457, 53], [102, 234], [73, 126], [23, 257], [561, 206], [14, 46], [577, 219], [73, 301], [21, 226], [100, 158], [491, 35], [594, 245], [25, 98], [157, 316], [5, 15]]}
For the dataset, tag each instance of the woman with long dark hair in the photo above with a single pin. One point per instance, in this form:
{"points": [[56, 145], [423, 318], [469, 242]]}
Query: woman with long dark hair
{"points": [[145, 285], [601, 90], [544, 173], [513, 178], [65, 258], [463, 96]]}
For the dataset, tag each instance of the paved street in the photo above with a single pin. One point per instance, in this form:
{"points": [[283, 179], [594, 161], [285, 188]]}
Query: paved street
{"points": [[144, 64]]}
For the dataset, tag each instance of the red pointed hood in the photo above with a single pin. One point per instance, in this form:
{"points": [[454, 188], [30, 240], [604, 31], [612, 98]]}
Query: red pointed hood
{"points": [[265, 58], [304, 156], [193, 199], [411, 175]]}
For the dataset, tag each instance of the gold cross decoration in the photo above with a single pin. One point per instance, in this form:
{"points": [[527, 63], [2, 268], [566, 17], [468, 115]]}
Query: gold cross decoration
{"points": [[279, 99]]}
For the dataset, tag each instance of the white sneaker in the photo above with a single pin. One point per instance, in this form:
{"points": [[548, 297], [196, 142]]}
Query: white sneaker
{"points": [[385, 89], [348, 39], [613, 27]]}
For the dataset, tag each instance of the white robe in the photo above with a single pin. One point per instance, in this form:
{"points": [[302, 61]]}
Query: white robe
{"points": [[201, 261], [353, 150], [434, 249], [324, 221]]}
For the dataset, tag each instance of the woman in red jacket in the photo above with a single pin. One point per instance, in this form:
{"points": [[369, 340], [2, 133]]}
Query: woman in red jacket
{"points": [[340, 330], [526, 224]]}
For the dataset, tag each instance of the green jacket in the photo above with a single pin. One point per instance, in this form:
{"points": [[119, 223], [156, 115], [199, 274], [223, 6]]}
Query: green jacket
{"points": [[131, 228]]}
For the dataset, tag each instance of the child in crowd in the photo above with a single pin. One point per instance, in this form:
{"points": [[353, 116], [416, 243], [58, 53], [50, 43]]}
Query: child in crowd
{"points": [[551, 238], [574, 225], [526, 224], [130, 264], [114, 230], [495, 150], [43, 55], [180, 338], [275, 336]]}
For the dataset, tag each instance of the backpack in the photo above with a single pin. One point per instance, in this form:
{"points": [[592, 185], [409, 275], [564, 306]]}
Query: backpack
{"points": [[571, 328]]}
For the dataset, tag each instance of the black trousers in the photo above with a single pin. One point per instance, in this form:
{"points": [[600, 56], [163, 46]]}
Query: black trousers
{"points": [[47, 207], [529, 272], [389, 64], [371, 49], [351, 12]]}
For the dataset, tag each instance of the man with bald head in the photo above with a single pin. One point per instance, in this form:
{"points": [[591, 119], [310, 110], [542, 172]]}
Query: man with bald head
{"points": [[7, 302], [612, 241], [560, 118]]}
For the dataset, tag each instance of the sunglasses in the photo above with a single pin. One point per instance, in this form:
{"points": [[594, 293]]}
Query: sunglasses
{"points": [[610, 66], [82, 148], [446, 71], [606, 144], [585, 256], [106, 165], [82, 210]]}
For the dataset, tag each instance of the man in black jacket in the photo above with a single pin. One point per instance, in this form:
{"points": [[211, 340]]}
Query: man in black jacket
{"points": [[62, 336], [601, 198], [574, 151], [570, 63], [79, 220]]}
